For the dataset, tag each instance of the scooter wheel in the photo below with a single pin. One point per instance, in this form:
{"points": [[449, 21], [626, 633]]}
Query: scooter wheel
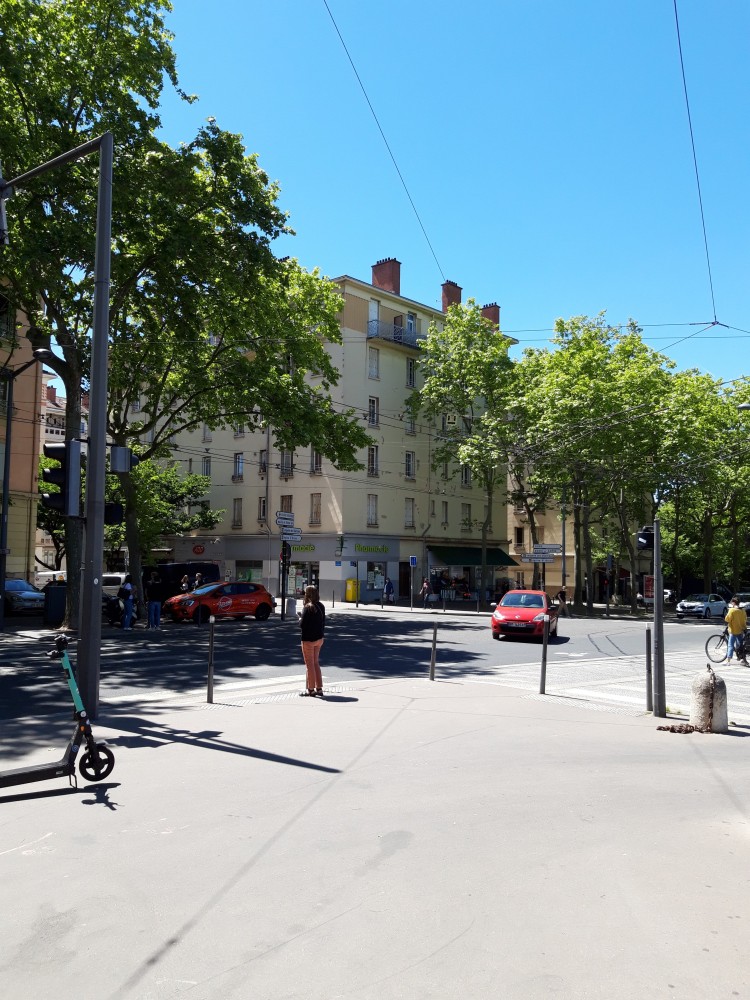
{"points": [[99, 767]]}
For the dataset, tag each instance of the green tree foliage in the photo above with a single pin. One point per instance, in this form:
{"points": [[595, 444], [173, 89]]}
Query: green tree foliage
{"points": [[467, 390], [207, 325]]}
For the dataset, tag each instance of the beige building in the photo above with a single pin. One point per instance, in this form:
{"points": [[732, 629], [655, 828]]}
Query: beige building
{"points": [[398, 517], [15, 352]]}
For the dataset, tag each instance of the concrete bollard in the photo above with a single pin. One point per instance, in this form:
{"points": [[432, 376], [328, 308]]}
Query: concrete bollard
{"points": [[708, 703]]}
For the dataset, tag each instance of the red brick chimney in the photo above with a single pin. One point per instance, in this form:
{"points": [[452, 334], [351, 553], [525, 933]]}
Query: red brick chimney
{"points": [[451, 294], [51, 394], [386, 274], [492, 313]]}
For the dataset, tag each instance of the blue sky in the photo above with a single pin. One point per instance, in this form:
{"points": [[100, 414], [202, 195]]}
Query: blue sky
{"points": [[545, 146]]}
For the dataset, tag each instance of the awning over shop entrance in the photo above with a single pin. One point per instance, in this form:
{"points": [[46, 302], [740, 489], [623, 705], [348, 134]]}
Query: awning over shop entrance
{"points": [[465, 556]]}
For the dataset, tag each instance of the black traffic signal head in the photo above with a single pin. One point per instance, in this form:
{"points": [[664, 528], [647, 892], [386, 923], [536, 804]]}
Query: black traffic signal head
{"points": [[645, 537], [66, 476]]}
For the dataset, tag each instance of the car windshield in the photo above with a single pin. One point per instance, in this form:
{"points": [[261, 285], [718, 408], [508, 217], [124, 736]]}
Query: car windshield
{"points": [[522, 601], [205, 588], [743, 598], [697, 597]]}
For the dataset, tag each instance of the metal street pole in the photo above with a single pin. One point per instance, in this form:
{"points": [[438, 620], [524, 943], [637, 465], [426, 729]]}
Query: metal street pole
{"points": [[660, 693], [89, 645]]}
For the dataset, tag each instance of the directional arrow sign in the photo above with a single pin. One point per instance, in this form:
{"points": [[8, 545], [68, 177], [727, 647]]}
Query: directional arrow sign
{"points": [[550, 548], [284, 517], [291, 534], [536, 557]]}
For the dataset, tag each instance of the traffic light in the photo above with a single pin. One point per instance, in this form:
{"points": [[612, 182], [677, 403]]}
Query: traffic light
{"points": [[67, 477], [644, 539]]}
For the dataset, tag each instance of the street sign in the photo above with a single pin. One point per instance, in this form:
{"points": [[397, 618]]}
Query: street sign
{"points": [[537, 557], [284, 517], [551, 548], [412, 560], [291, 534]]}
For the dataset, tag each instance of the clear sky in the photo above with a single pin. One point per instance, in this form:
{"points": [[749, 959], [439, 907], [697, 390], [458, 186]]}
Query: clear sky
{"points": [[545, 145]]}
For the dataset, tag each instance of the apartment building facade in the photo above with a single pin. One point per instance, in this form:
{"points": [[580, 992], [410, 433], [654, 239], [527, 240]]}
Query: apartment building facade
{"points": [[398, 517]]}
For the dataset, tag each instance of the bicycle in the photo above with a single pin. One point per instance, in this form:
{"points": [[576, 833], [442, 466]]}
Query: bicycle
{"points": [[716, 646]]}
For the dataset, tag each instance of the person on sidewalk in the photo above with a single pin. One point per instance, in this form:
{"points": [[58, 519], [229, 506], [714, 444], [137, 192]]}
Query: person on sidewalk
{"points": [[388, 590], [736, 620], [312, 622], [562, 601], [424, 593], [153, 596], [127, 595]]}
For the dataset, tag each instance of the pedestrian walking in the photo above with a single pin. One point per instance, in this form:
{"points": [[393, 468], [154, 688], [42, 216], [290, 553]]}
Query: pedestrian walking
{"points": [[127, 595], [388, 591], [198, 581], [424, 593], [562, 601], [736, 619], [185, 584], [154, 596], [312, 621]]}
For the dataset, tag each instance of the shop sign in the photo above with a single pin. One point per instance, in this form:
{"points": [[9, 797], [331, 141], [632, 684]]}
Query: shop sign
{"points": [[198, 550]]}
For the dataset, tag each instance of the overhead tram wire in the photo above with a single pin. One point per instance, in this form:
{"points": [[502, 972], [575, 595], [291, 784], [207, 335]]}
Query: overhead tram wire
{"points": [[387, 145]]}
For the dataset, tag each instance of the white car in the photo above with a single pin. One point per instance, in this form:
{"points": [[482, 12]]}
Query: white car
{"points": [[702, 606]]}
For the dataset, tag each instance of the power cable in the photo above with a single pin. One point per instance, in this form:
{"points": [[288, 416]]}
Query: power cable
{"points": [[382, 133]]}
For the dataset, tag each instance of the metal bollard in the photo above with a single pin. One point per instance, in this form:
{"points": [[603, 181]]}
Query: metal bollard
{"points": [[545, 640], [210, 691], [434, 651], [649, 677], [333, 598]]}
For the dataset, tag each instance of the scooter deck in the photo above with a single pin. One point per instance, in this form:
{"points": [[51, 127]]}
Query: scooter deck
{"points": [[36, 772]]}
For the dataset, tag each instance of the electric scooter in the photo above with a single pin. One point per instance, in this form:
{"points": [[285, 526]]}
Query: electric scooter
{"points": [[95, 764]]}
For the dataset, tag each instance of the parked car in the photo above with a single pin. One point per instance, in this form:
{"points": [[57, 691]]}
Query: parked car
{"points": [[702, 606], [111, 583], [22, 596], [521, 612], [224, 600], [744, 600]]}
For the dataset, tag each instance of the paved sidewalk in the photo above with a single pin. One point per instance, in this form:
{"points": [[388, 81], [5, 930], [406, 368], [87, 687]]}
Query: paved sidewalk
{"points": [[400, 839]]}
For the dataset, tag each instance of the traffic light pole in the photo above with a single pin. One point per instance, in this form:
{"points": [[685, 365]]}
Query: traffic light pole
{"points": [[660, 692]]}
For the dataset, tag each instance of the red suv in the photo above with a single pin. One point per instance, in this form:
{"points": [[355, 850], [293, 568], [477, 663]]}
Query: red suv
{"points": [[223, 600]]}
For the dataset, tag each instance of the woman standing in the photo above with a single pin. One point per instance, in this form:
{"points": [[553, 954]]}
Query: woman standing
{"points": [[126, 593], [312, 622]]}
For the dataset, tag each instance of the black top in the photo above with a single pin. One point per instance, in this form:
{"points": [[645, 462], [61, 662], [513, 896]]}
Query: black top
{"points": [[312, 622]]}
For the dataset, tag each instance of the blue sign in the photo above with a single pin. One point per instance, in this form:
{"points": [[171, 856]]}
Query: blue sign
{"points": [[412, 560]]}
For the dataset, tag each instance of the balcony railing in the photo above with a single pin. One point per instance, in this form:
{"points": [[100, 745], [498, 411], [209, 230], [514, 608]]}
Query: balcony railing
{"points": [[380, 329]]}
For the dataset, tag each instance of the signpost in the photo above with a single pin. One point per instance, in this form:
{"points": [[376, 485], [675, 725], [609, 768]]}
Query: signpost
{"points": [[283, 517], [291, 534], [285, 521], [537, 557]]}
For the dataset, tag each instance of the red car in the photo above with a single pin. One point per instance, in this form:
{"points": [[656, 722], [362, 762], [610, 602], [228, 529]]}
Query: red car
{"points": [[223, 600], [521, 612]]}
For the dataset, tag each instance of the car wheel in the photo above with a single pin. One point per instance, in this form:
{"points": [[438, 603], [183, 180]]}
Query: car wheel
{"points": [[262, 612], [495, 635], [707, 613]]}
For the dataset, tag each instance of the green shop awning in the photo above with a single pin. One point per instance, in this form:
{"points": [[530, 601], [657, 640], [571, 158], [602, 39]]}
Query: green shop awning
{"points": [[465, 556]]}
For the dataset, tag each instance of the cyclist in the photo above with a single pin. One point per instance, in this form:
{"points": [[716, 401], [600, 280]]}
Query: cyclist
{"points": [[736, 620]]}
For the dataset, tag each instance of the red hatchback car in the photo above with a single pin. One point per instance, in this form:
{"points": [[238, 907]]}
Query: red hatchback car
{"points": [[223, 600], [521, 612]]}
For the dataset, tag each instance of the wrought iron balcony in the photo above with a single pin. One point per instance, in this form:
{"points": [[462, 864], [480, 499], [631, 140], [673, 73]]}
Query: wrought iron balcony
{"points": [[382, 330]]}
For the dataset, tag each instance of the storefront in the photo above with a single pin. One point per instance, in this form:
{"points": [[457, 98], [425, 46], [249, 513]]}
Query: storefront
{"points": [[455, 571]]}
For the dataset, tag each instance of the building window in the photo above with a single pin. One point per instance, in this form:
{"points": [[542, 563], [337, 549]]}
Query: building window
{"points": [[409, 512], [262, 462], [315, 508], [206, 466], [373, 362], [261, 508], [286, 503], [373, 411], [190, 466], [316, 462], [136, 404], [287, 464], [465, 475], [410, 465], [239, 467], [445, 473], [372, 510], [411, 425], [239, 430], [411, 372], [237, 512], [466, 523], [444, 514], [372, 460], [432, 508], [519, 535], [206, 432]]}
